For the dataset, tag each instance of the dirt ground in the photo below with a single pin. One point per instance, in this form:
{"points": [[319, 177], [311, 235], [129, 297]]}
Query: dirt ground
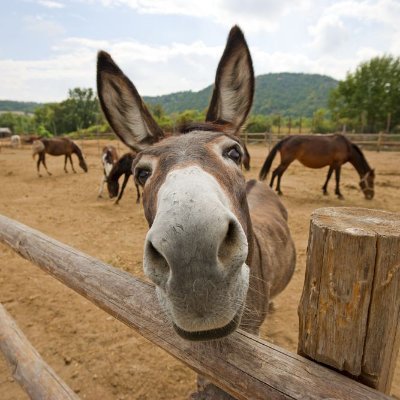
{"points": [[99, 357]]}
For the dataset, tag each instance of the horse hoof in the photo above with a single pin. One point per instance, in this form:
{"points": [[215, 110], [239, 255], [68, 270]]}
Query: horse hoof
{"points": [[279, 193], [340, 197], [325, 193]]}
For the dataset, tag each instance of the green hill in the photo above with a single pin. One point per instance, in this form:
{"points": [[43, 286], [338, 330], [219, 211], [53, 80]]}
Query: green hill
{"points": [[21, 106], [288, 94], [293, 94]]}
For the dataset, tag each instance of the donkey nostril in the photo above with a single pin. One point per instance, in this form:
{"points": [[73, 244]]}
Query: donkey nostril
{"points": [[156, 266], [230, 244]]}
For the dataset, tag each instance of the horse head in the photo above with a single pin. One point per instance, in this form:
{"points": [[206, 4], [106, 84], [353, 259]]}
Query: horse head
{"points": [[367, 184]]}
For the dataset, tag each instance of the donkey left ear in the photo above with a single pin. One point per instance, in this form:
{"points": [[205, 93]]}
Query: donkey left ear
{"points": [[234, 83], [123, 107]]}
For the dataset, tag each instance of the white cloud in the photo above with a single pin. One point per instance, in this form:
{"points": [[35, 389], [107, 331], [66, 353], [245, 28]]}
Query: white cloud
{"points": [[51, 4], [337, 25], [153, 69], [252, 15], [42, 25], [329, 34]]}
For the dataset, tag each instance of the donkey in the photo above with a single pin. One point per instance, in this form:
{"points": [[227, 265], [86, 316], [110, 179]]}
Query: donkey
{"points": [[122, 167], [109, 157], [217, 249], [57, 147]]}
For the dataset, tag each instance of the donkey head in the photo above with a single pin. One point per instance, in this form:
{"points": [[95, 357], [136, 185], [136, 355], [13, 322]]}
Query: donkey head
{"points": [[199, 244]]}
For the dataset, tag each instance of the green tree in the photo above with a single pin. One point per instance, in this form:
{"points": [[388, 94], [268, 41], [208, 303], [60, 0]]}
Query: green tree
{"points": [[366, 97], [82, 107], [258, 123], [322, 121], [18, 123]]}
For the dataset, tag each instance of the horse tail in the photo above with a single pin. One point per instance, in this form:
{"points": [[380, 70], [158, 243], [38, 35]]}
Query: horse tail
{"points": [[268, 162], [37, 147]]}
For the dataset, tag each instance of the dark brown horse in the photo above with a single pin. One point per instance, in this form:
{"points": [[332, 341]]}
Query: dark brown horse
{"points": [[122, 167], [57, 147], [315, 151]]}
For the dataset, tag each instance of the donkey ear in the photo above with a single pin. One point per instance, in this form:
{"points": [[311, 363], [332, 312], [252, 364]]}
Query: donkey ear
{"points": [[234, 83], [123, 107]]}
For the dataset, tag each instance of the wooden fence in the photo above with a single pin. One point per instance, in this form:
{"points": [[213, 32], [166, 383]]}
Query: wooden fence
{"points": [[371, 141], [244, 365]]}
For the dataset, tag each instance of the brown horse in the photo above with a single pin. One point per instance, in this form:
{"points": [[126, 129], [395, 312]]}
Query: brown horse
{"points": [[217, 249], [318, 151], [57, 147]]}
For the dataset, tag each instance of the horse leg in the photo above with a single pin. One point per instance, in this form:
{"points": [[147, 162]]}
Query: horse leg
{"points": [[43, 159], [103, 181], [138, 194], [65, 164], [281, 169], [337, 190], [72, 164], [274, 174], [38, 165], [324, 188], [126, 178]]}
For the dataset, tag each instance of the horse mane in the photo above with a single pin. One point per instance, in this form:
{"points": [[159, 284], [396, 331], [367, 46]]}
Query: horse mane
{"points": [[77, 150], [361, 155]]}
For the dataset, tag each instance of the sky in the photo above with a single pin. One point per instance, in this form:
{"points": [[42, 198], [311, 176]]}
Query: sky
{"points": [[164, 46]]}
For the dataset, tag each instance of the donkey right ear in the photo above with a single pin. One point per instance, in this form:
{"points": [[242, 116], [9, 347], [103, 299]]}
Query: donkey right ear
{"points": [[123, 107]]}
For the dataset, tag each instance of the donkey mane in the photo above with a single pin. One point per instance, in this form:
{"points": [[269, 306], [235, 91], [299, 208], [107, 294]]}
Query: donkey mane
{"points": [[203, 127]]}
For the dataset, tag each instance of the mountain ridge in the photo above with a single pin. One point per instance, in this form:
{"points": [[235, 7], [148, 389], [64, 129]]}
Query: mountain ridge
{"points": [[285, 93]]}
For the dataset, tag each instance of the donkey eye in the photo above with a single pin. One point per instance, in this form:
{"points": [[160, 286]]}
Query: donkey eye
{"points": [[234, 154], [142, 175]]}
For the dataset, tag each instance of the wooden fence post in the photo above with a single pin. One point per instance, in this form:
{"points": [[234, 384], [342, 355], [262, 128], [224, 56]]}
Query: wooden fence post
{"points": [[349, 310], [380, 139]]}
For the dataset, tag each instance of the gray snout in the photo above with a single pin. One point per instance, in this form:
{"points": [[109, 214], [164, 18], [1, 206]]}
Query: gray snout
{"points": [[195, 252], [177, 253]]}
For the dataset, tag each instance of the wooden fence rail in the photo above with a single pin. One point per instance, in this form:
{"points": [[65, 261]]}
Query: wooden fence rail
{"points": [[243, 365], [376, 141], [28, 368]]}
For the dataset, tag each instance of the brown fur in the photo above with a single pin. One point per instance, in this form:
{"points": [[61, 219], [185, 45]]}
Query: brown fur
{"points": [[262, 217], [271, 255], [318, 151], [59, 147]]}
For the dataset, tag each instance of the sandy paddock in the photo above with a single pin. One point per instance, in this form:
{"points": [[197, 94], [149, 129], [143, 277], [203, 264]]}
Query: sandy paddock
{"points": [[95, 354]]}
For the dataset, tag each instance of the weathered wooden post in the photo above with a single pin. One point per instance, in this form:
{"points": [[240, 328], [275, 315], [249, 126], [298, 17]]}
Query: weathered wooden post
{"points": [[36, 377], [380, 139], [349, 310]]}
